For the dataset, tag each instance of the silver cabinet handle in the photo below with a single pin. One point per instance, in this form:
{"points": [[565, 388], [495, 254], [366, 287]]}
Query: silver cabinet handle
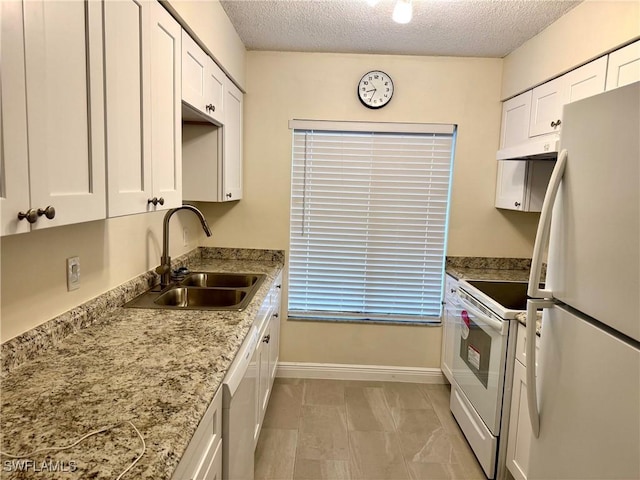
{"points": [[31, 216], [48, 212]]}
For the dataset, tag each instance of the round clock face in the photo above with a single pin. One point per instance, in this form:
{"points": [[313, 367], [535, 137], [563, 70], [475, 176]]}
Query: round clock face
{"points": [[375, 89]]}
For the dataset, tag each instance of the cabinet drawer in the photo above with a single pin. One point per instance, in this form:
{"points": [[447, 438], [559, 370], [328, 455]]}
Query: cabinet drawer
{"points": [[199, 457], [521, 345]]}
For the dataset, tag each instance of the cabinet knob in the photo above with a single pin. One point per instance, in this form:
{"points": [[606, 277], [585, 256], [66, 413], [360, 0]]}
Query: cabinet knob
{"points": [[276, 315], [228, 195], [156, 201], [452, 290], [279, 286], [31, 216], [48, 212], [556, 123], [266, 338], [210, 108], [517, 204], [161, 201]]}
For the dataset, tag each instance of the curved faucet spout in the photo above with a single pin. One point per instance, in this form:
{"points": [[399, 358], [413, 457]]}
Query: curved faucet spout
{"points": [[165, 261]]}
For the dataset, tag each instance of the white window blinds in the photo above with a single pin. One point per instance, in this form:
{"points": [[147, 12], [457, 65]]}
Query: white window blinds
{"points": [[368, 221]]}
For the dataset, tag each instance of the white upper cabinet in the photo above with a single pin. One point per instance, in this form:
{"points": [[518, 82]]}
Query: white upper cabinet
{"points": [[202, 83], [548, 99], [64, 113], [143, 98], [166, 107], [232, 144], [515, 120], [624, 66]]}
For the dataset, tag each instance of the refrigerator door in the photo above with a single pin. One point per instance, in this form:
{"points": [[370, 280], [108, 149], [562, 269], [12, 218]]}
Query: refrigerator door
{"points": [[589, 397], [594, 247]]}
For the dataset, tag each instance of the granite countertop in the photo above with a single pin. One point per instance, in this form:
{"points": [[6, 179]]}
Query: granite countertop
{"points": [[504, 269], [159, 369]]}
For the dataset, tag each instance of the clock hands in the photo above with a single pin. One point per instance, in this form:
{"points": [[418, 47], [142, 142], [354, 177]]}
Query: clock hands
{"points": [[374, 90]]}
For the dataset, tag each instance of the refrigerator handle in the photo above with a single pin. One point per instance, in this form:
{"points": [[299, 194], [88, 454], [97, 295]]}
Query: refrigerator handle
{"points": [[544, 227], [532, 391]]}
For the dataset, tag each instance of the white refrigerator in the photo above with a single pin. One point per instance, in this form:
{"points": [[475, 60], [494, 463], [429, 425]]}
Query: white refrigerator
{"points": [[584, 400]]}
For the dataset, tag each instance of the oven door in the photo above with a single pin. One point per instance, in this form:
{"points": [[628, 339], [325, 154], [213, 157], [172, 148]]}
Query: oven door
{"points": [[479, 358]]}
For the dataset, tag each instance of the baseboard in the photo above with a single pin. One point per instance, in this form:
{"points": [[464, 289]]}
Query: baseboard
{"points": [[338, 371]]}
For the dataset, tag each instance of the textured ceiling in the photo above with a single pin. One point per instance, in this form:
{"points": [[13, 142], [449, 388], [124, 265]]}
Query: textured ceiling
{"points": [[467, 28]]}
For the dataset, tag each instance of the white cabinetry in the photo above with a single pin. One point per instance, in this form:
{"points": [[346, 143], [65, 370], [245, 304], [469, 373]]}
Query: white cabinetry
{"points": [[52, 115], [521, 184], [231, 186], [515, 120], [624, 66], [212, 156], [548, 99], [520, 432], [267, 352], [143, 98], [448, 326], [202, 83], [202, 459]]}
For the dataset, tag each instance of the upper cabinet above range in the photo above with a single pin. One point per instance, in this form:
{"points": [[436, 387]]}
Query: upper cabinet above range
{"points": [[202, 84]]}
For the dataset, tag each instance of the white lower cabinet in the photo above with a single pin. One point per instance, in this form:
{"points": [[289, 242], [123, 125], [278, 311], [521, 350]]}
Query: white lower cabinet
{"points": [[52, 154], [267, 353], [202, 459], [448, 326], [520, 432]]}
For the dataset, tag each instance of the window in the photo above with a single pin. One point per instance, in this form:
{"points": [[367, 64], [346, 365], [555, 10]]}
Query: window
{"points": [[369, 209]]}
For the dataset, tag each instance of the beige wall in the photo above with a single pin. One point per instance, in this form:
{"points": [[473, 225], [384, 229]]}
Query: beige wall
{"points": [[209, 21], [592, 28], [283, 86], [34, 288]]}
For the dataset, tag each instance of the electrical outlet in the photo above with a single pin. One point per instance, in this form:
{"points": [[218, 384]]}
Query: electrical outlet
{"points": [[185, 237], [73, 273]]}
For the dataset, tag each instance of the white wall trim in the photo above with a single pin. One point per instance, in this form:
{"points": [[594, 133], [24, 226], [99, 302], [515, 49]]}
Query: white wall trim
{"points": [[338, 371]]}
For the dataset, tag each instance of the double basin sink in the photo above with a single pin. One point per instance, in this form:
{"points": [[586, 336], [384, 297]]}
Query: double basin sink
{"points": [[203, 291]]}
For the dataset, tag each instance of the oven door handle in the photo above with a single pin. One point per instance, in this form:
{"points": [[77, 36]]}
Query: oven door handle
{"points": [[497, 325]]}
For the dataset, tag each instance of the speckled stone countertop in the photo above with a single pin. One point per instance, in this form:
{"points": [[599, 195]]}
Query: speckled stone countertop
{"points": [[489, 268], [158, 369]]}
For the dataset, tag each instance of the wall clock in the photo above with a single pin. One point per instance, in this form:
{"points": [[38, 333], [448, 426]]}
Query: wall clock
{"points": [[375, 89]]}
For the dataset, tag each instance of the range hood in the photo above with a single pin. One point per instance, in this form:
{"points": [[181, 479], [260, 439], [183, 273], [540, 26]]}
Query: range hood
{"points": [[535, 149]]}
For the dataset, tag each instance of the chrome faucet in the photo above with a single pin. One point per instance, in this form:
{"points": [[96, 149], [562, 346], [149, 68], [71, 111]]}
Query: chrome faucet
{"points": [[165, 261]]}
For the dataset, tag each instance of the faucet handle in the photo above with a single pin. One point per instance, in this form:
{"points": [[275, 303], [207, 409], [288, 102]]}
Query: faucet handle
{"points": [[162, 269]]}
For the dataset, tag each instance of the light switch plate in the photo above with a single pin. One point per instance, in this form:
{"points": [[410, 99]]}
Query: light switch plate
{"points": [[73, 273]]}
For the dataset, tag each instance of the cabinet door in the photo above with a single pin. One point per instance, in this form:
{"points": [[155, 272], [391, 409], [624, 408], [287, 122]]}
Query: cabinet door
{"points": [[546, 107], [515, 120], [14, 160], [232, 144], [586, 81], [127, 82], [166, 107], [65, 109], [448, 327], [265, 371], [511, 184], [215, 98], [520, 432], [624, 66], [194, 73]]}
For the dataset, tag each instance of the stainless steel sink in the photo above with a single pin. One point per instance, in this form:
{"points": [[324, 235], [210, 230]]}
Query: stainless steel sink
{"points": [[203, 291], [226, 280]]}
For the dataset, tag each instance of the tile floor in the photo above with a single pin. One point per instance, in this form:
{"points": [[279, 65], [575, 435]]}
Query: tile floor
{"points": [[330, 429]]}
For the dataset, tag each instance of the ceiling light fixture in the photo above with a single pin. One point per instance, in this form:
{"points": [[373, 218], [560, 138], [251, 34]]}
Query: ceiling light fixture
{"points": [[403, 11]]}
